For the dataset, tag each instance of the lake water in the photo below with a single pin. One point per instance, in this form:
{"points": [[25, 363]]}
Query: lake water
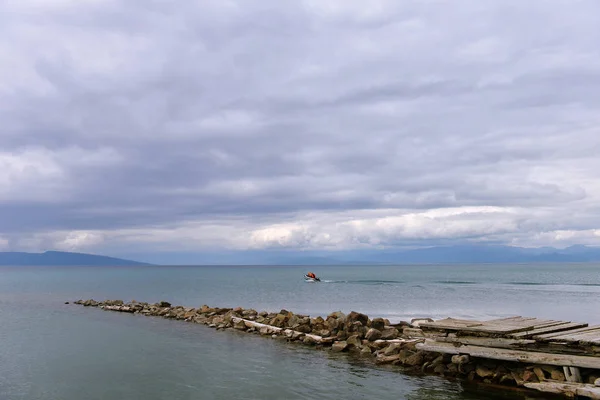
{"points": [[53, 351]]}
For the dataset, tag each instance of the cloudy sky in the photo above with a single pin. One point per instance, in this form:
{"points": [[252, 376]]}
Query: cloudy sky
{"points": [[148, 126]]}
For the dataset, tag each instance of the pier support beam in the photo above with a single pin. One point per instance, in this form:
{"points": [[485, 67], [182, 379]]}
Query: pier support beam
{"points": [[572, 374]]}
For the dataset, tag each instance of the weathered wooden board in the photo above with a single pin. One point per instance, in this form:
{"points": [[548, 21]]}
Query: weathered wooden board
{"points": [[449, 324], [512, 355], [559, 326], [502, 326], [569, 389], [548, 336], [580, 336], [502, 343]]}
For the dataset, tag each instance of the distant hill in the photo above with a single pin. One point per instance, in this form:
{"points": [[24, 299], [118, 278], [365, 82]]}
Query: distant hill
{"points": [[57, 258], [475, 253]]}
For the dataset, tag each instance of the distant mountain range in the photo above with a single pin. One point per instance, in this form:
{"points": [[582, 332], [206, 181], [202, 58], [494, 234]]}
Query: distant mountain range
{"points": [[50, 258], [430, 255]]}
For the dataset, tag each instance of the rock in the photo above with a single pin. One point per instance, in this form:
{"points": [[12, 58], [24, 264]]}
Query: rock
{"points": [[323, 333], [240, 325], [414, 359], [440, 369], [304, 328], [383, 359], [66, 302], [416, 322], [452, 369], [279, 320], [354, 342], [337, 315], [163, 304], [539, 373], [356, 317], [518, 377], [378, 323], [297, 335], [557, 375], [412, 332], [597, 382], [373, 334], [592, 378], [265, 330], [389, 333], [342, 335], [293, 321], [483, 372], [309, 340], [460, 359], [529, 376], [366, 351], [393, 348], [339, 346]]}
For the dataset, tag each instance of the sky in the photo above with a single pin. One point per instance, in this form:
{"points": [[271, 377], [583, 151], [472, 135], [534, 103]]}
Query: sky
{"points": [[150, 127]]}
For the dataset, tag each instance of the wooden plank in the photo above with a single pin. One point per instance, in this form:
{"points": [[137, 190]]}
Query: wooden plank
{"points": [[547, 336], [584, 335], [506, 320], [572, 374], [449, 324], [551, 328], [571, 336], [564, 388], [502, 343], [497, 329], [512, 355]]}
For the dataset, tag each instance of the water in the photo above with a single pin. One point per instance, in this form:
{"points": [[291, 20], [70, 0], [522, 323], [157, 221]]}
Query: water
{"points": [[53, 351]]}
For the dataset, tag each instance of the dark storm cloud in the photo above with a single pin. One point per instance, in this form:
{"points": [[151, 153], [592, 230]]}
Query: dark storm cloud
{"points": [[125, 116]]}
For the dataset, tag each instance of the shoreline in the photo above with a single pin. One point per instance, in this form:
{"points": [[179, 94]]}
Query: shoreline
{"points": [[404, 344]]}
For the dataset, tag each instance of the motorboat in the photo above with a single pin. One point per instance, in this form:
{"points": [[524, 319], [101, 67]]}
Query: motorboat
{"points": [[313, 278]]}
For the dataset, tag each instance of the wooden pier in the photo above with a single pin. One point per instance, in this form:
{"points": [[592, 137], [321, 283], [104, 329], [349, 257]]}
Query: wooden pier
{"points": [[551, 356], [571, 345]]}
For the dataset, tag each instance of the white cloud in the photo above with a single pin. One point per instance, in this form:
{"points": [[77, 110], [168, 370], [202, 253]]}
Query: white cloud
{"points": [[326, 125]]}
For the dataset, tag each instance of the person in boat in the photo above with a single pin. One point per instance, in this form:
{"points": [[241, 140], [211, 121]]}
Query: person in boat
{"points": [[311, 275]]}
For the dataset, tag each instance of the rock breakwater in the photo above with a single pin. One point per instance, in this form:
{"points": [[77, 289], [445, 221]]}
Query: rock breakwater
{"points": [[355, 332]]}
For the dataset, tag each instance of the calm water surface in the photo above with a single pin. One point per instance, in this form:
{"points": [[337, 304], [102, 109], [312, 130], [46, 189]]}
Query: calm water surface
{"points": [[53, 351]]}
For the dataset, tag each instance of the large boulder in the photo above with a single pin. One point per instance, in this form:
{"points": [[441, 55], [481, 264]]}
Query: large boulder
{"points": [[337, 315], [339, 346], [163, 304], [373, 334], [354, 342], [393, 348], [414, 359], [357, 317], [378, 323], [483, 372], [240, 325], [279, 320], [389, 333]]}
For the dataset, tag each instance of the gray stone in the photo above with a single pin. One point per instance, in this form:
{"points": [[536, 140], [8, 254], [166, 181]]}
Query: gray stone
{"points": [[354, 341], [339, 346], [373, 334], [416, 322], [389, 334], [483, 371], [460, 359], [378, 323], [557, 375], [393, 348], [357, 317]]}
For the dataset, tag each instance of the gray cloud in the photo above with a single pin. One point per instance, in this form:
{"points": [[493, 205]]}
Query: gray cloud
{"points": [[233, 125]]}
